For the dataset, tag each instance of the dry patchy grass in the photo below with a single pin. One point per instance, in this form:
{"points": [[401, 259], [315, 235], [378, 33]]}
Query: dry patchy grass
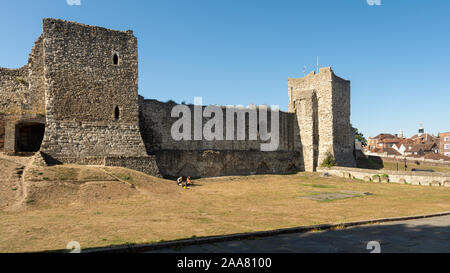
{"points": [[155, 209]]}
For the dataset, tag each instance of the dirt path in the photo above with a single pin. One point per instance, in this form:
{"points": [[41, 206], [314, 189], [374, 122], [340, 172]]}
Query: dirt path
{"points": [[12, 182]]}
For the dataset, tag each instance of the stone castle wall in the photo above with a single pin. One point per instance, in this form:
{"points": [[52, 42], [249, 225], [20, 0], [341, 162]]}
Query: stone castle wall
{"points": [[156, 123], [2, 132], [14, 90], [21, 98], [211, 163], [36, 78], [199, 158], [22, 89], [91, 102], [343, 137], [82, 82]]}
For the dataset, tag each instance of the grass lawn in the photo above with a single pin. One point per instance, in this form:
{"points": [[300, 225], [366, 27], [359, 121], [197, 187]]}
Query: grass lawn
{"points": [[156, 210]]}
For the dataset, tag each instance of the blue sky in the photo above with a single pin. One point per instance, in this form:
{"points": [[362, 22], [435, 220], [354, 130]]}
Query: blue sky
{"points": [[397, 55]]}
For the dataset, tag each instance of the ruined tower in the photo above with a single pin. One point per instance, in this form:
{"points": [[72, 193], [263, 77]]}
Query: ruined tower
{"points": [[321, 103]]}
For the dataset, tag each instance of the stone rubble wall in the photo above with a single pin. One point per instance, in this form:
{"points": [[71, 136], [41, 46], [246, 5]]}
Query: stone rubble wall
{"points": [[2, 132], [306, 111], [73, 139], [409, 160], [414, 178], [214, 158], [156, 123], [343, 135], [145, 164], [322, 103], [211, 163], [36, 78], [22, 89], [13, 92]]}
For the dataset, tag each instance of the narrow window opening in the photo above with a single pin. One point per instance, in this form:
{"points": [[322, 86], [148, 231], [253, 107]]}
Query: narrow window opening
{"points": [[116, 59], [116, 113]]}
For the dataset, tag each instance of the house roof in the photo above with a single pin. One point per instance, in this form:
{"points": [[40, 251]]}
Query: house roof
{"points": [[423, 136], [436, 156], [391, 140], [424, 147], [389, 151], [382, 136]]}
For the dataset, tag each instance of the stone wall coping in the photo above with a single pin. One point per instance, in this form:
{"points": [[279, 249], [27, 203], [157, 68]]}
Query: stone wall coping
{"points": [[190, 105], [73, 23], [402, 157], [381, 172]]}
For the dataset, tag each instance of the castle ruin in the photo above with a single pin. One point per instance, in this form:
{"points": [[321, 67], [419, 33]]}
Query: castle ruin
{"points": [[76, 101]]}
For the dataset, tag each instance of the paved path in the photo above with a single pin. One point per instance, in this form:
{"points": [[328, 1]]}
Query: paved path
{"points": [[413, 236]]}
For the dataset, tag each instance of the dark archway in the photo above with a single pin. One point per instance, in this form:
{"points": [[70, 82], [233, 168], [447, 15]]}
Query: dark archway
{"points": [[29, 136]]}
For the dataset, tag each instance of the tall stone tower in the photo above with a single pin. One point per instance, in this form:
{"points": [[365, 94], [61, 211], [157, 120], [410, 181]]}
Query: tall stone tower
{"points": [[321, 103], [91, 83]]}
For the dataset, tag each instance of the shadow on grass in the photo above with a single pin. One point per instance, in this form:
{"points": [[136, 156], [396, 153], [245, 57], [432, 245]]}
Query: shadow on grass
{"points": [[370, 162], [425, 235]]}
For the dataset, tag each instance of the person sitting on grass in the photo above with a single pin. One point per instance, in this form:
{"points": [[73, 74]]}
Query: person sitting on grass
{"points": [[188, 181], [180, 181]]}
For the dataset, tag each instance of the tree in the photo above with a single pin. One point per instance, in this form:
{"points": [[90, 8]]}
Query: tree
{"points": [[359, 136]]}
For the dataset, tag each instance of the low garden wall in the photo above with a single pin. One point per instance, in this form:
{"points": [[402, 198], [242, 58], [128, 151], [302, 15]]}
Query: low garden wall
{"points": [[414, 178], [145, 164], [409, 160]]}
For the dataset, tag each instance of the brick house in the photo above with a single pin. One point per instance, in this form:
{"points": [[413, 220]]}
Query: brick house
{"points": [[444, 148]]}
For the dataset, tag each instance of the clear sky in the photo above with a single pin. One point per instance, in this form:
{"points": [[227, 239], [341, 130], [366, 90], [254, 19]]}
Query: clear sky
{"points": [[397, 54]]}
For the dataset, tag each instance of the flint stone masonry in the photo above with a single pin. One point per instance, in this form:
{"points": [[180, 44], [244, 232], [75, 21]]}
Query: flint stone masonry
{"points": [[83, 87], [22, 89], [209, 163], [156, 124], [2, 132], [81, 84], [14, 87], [146, 164]]}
